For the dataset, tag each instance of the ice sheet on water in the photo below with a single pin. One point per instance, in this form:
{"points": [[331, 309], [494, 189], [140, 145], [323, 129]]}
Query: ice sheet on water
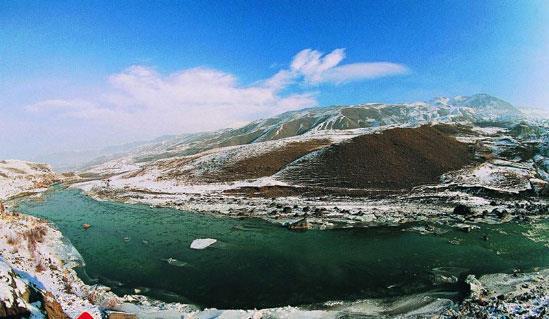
{"points": [[69, 254], [202, 243]]}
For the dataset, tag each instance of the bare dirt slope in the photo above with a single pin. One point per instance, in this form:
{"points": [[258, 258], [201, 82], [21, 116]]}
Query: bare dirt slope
{"points": [[268, 163], [394, 159]]}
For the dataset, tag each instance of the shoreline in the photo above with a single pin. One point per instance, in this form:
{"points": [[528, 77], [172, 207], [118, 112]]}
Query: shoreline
{"points": [[434, 204], [420, 207], [445, 308]]}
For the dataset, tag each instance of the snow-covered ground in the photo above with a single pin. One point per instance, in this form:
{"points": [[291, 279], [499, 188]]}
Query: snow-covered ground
{"points": [[502, 176], [40, 256], [523, 295], [152, 184], [20, 176]]}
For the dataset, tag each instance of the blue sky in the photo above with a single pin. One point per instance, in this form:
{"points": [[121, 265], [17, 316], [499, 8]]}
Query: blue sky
{"points": [[78, 75]]}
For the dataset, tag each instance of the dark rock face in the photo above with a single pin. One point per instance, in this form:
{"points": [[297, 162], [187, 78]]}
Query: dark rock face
{"points": [[15, 294], [14, 301], [462, 210]]}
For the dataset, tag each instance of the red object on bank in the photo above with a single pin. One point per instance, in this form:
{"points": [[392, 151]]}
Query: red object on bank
{"points": [[85, 315]]}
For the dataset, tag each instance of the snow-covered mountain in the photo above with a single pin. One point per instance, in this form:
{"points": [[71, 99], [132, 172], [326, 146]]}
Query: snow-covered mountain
{"points": [[337, 147], [483, 106], [479, 108]]}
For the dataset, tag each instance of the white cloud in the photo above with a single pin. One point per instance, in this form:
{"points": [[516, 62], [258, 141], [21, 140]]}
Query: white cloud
{"points": [[316, 68], [186, 101], [143, 102], [311, 64]]}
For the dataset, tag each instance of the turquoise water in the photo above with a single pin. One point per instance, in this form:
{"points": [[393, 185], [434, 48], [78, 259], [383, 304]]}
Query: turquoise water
{"points": [[256, 264]]}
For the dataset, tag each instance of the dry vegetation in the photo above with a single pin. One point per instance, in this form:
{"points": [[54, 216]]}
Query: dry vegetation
{"points": [[35, 235], [25, 233], [266, 164], [394, 159]]}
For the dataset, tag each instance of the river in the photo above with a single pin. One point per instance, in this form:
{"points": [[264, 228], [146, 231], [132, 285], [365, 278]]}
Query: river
{"points": [[256, 264]]}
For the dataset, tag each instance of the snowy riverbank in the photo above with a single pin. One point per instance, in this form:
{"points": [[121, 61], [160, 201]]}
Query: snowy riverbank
{"points": [[36, 255]]}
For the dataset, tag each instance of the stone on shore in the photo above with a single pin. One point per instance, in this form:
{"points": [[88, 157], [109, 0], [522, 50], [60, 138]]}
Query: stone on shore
{"points": [[121, 315], [462, 210], [300, 225]]}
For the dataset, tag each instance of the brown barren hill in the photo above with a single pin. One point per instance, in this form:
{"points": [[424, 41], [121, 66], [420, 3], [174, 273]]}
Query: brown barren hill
{"points": [[267, 163], [393, 159]]}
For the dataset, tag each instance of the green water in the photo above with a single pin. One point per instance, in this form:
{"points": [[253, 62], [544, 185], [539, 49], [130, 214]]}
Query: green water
{"points": [[255, 264]]}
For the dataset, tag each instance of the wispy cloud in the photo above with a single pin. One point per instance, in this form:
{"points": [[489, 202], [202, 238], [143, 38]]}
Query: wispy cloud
{"points": [[318, 68], [204, 98]]}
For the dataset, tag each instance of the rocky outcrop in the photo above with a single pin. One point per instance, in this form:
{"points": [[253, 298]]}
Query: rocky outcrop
{"points": [[30, 246], [524, 295], [15, 297], [14, 294], [53, 308]]}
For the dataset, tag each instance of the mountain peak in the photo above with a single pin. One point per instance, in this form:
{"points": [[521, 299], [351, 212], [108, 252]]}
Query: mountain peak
{"points": [[485, 105]]}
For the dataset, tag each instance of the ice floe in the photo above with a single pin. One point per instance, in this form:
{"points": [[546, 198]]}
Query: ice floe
{"points": [[202, 243]]}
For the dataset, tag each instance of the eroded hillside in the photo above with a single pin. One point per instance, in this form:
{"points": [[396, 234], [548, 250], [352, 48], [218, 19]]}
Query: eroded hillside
{"points": [[395, 158]]}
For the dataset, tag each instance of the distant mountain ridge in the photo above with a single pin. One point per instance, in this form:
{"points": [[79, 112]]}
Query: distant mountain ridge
{"points": [[478, 108], [475, 109]]}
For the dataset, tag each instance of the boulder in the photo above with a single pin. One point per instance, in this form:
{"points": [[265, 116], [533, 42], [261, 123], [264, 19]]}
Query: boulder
{"points": [[461, 209], [540, 186]]}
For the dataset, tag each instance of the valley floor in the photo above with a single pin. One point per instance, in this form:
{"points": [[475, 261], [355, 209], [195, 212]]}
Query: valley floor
{"points": [[423, 173], [498, 184], [45, 263]]}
